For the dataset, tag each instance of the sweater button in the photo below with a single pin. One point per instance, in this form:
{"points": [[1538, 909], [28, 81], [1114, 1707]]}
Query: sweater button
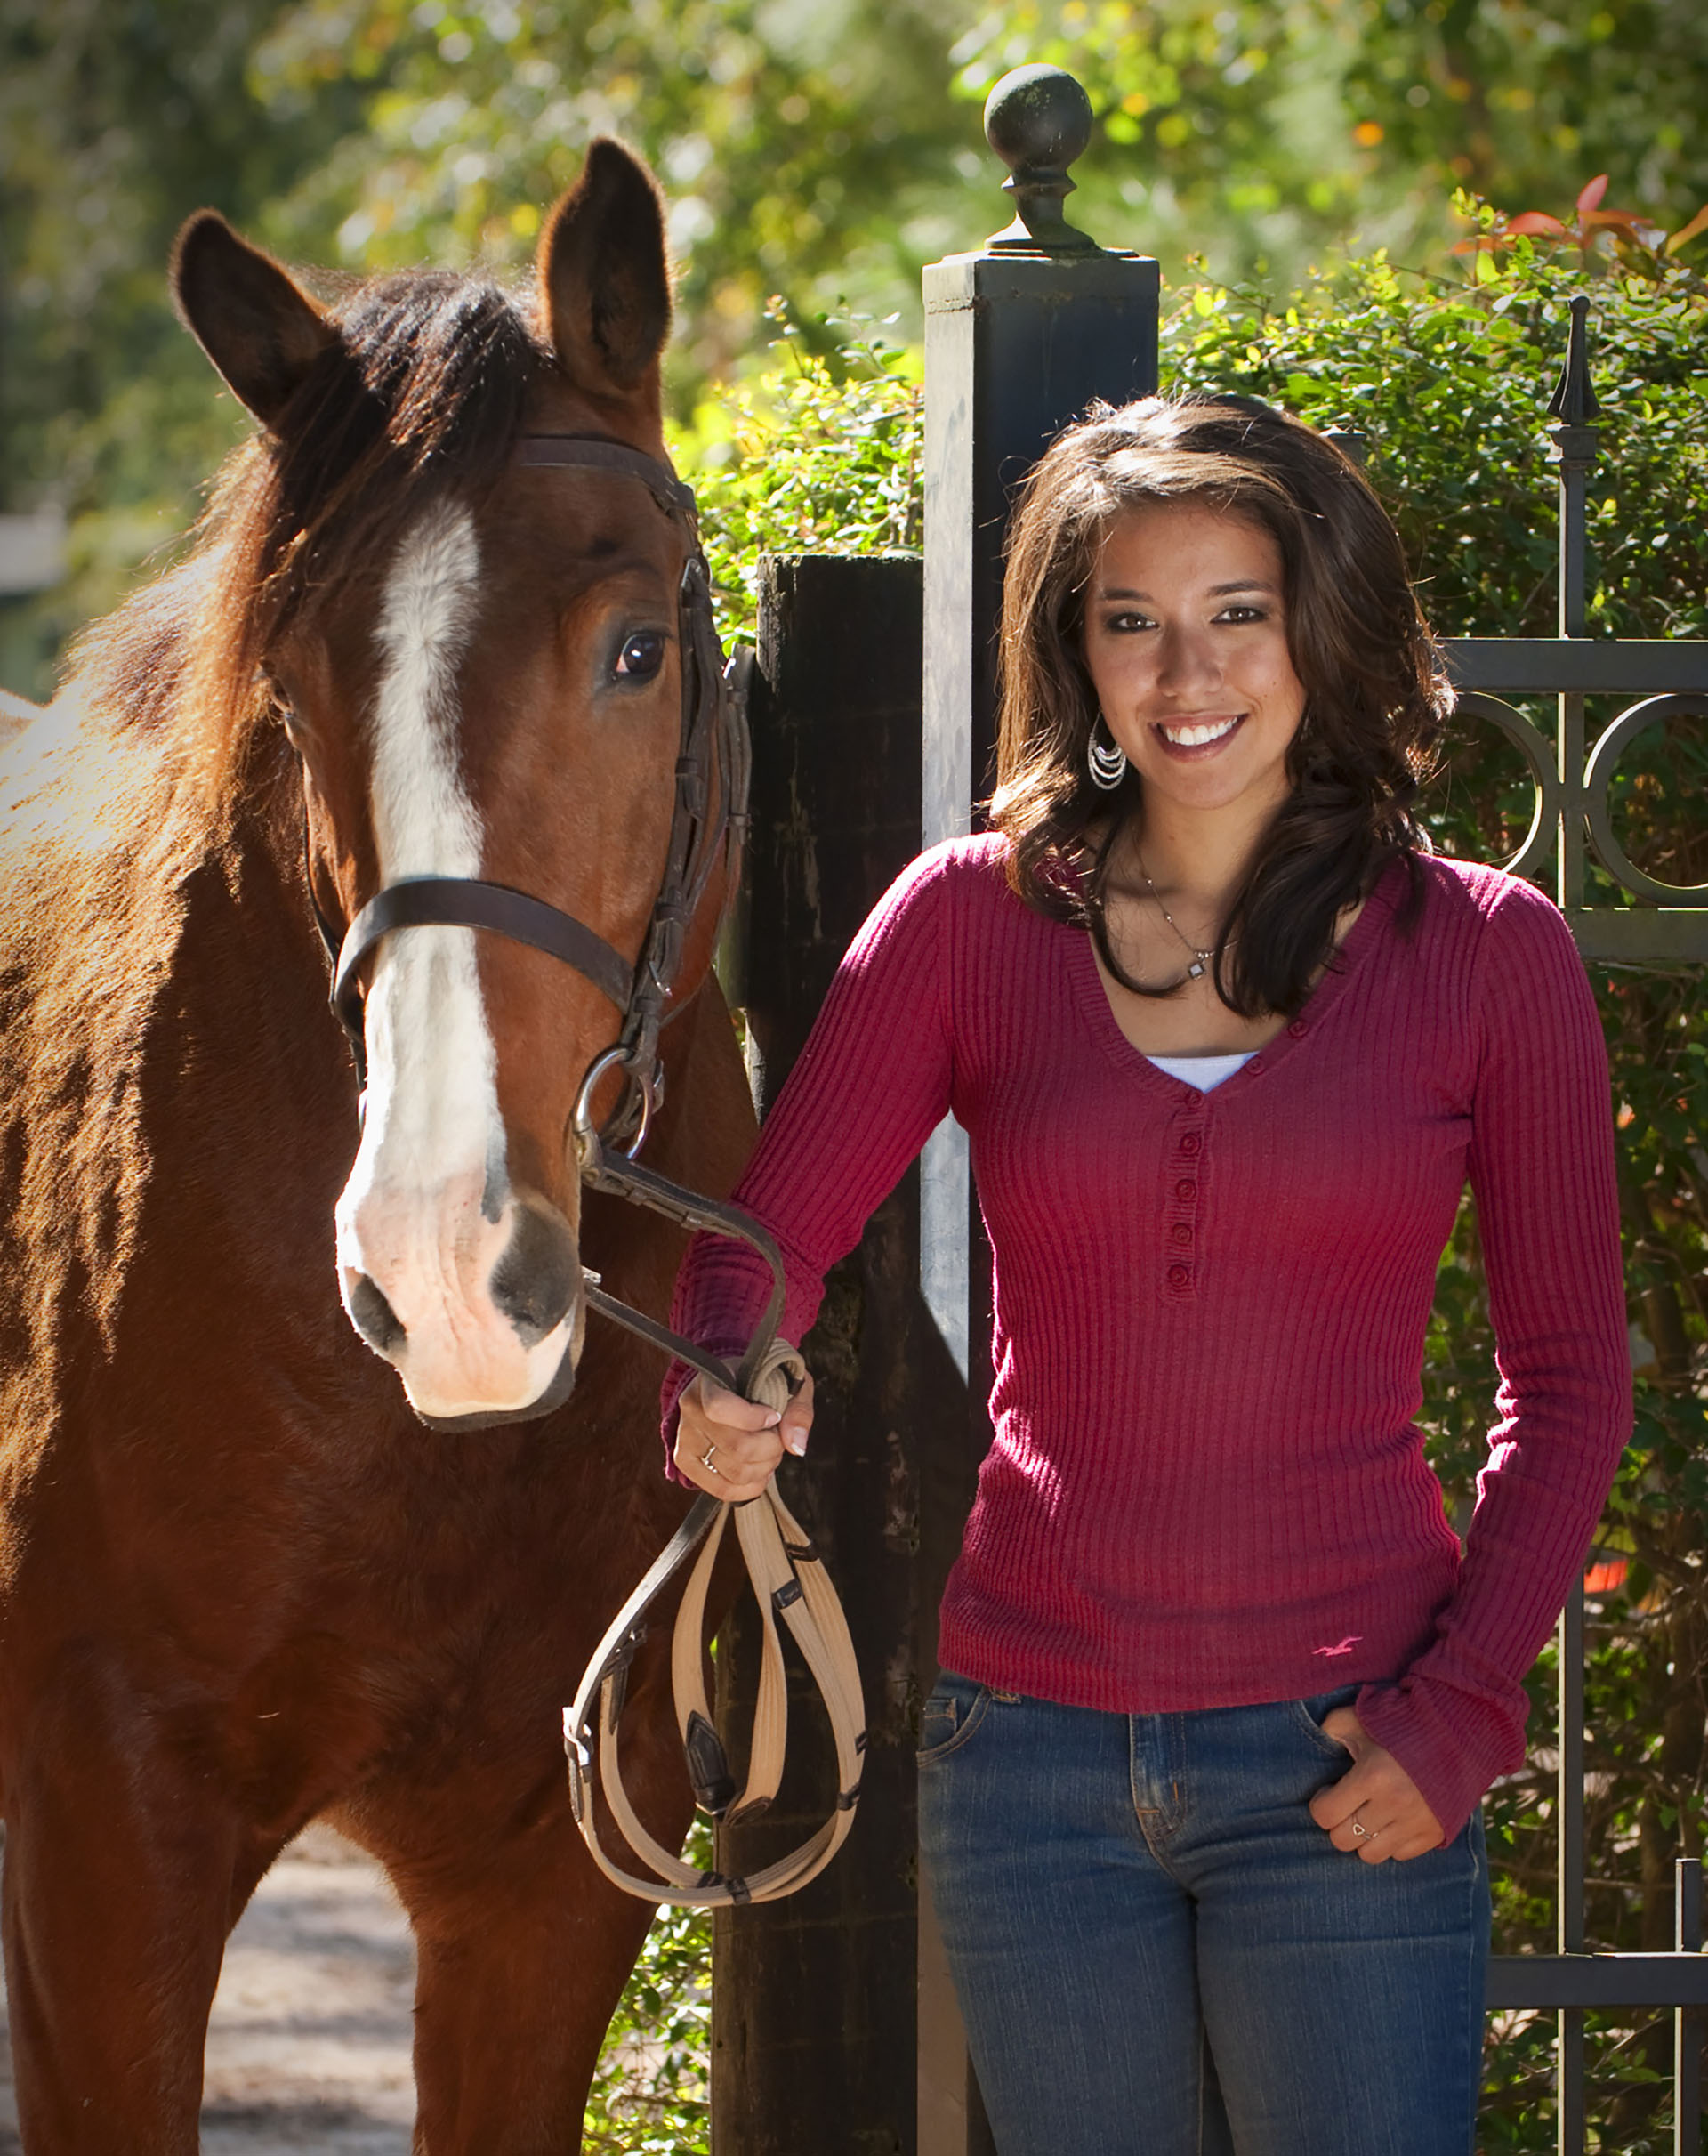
{"points": [[1190, 1143], [1186, 1189], [1181, 1233], [1298, 1030], [1179, 1276]]}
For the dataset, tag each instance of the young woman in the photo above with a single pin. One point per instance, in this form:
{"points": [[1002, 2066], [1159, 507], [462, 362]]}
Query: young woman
{"points": [[1221, 1692]]}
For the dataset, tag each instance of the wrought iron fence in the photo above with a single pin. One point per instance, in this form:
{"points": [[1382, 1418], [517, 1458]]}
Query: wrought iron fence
{"points": [[1573, 824], [1572, 832]]}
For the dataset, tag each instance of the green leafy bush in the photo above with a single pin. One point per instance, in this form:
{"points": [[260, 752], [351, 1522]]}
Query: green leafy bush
{"points": [[820, 454], [649, 2095]]}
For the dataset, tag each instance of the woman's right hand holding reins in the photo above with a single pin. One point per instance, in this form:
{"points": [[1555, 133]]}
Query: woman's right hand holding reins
{"points": [[729, 1447]]}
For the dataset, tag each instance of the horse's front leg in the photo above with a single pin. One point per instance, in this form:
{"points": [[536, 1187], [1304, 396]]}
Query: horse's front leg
{"points": [[120, 1858], [523, 1952]]}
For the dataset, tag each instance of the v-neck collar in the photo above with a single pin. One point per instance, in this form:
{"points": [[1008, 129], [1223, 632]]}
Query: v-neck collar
{"points": [[1095, 1008]]}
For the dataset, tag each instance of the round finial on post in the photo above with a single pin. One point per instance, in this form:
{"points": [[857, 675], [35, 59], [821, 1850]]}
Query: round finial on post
{"points": [[1038, 119]]}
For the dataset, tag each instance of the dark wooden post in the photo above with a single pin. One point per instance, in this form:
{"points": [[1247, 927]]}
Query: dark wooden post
{"points": [[1019, 338], [814, 2036]]}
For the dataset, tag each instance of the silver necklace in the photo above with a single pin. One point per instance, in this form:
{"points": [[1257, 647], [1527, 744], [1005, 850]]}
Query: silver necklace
{"points": [[1200, 959]]}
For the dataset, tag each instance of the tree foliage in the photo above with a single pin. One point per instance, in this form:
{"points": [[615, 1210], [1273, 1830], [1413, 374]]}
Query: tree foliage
{"points": [[800, 145], [818, 149], [118, 118], [1277, 128]]}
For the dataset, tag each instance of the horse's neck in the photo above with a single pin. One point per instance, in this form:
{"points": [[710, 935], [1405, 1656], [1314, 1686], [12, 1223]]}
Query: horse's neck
{"points": [[163, 1029], [207, 889]]}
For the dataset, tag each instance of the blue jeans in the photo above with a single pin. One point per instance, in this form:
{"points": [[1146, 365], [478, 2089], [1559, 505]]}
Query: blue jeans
{"points": [[1158, 1952]]}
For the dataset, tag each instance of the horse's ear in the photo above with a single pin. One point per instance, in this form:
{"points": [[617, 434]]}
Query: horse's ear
{"points": [[604, 278], [262, 330]]}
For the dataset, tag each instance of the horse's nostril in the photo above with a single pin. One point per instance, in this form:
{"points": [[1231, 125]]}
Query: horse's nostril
{"points": [[374, 1317], [534, 1281]]}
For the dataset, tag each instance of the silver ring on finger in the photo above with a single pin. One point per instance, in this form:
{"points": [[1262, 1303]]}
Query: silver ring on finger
{"points": [[707, 1461], [1361, 1833]]}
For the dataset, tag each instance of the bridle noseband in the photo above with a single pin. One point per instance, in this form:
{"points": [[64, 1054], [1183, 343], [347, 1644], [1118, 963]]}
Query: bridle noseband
{"points": [[707, 821]]}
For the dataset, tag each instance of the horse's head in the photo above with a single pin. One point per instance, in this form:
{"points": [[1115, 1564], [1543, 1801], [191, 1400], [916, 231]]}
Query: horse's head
{"points": [[480, 658]]}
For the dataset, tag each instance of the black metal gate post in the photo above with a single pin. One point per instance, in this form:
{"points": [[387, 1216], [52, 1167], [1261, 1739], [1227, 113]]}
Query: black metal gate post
{"points": [[1019, 338]]}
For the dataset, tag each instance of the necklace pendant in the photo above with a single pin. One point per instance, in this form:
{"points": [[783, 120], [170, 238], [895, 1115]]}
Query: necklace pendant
{"points": [[1194, 970]]}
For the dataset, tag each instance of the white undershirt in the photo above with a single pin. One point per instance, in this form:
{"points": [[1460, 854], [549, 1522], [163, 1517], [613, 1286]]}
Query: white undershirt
{"points": [[1204, 1071]]}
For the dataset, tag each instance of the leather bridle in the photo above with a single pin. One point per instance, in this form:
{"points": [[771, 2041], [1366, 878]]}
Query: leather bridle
{"points": [[707, 824]]}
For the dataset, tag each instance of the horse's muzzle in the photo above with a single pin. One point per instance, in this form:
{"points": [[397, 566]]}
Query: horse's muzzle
{"points": [[554, 1396], [482, 1318]]}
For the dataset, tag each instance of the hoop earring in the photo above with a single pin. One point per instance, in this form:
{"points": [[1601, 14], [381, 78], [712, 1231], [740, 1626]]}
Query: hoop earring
{"points": [[1108, 766]]}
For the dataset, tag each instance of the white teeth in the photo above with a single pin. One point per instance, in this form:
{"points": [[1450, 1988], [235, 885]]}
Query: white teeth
{"points": [[1195, 737]]}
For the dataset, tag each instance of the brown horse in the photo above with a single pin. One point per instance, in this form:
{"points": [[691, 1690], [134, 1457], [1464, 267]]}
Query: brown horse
{"points": [[244, 1581]]}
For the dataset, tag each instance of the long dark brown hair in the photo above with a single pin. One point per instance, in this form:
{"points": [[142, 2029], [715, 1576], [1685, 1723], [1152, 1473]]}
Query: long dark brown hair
{"points": [[1376, 689]]}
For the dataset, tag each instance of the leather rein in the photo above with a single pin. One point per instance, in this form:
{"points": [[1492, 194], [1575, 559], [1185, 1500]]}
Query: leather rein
{"points": [[707, 824]]}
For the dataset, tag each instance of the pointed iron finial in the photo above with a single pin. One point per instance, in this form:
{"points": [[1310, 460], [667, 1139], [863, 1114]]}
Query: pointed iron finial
{"points": [[1573, 399], [1575, 446], [1038, 119]]}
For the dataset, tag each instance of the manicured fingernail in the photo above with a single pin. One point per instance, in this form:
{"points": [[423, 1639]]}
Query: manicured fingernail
{"points": [[796, 1440], [772, 1419]]}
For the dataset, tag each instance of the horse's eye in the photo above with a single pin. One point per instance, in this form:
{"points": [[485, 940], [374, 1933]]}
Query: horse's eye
{"points": [[641, 656]]}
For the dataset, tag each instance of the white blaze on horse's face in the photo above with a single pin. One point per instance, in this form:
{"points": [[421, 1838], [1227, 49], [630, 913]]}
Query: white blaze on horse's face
{"points": [[471, 1290]]}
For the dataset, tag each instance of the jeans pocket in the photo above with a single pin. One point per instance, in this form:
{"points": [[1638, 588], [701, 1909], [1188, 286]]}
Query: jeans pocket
{"points": [[955, 1708], [1309, 1715]]}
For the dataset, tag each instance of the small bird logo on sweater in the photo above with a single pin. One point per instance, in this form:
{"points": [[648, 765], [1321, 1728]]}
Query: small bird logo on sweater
{"points": [[1345, 1647]]}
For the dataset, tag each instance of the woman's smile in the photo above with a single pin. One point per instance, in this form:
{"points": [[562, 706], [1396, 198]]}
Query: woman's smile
{"points": [[1198, 737]]}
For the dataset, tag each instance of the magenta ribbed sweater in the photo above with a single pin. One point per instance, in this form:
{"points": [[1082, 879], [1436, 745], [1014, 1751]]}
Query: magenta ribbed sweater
{"points": [[1205, 1488]]}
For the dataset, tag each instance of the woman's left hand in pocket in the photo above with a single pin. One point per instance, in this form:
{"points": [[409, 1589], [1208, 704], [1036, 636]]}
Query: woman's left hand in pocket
{"points": [[1375, 1811]]}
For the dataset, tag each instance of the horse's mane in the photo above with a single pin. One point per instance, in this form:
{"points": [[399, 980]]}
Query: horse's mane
{"points": [[420, 397]]}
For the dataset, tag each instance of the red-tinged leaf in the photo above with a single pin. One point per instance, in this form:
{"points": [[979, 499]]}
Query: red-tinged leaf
{"points": [[1537, 221], [1629, 219], [1590, 198], [1685, 233]]}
